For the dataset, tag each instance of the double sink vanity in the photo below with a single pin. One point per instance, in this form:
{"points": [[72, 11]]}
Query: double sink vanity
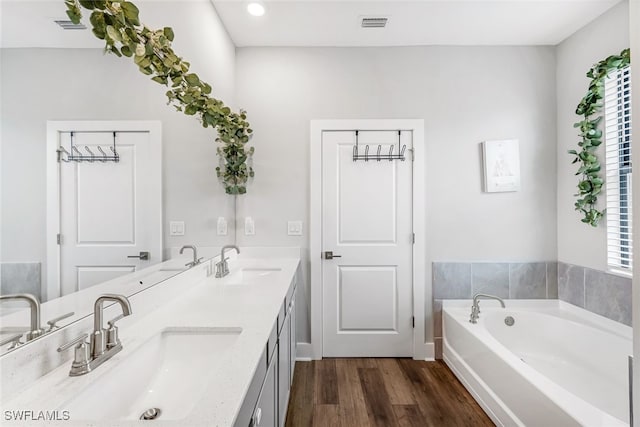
{"points": [[194, 350]]}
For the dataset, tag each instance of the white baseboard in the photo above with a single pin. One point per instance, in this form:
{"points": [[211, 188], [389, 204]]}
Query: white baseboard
{"points": [[429, 352], [304, 351]]}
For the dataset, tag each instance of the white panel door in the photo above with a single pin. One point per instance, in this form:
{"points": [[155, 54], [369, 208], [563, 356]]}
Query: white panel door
{"points": [[366, 221], [109, 211]]}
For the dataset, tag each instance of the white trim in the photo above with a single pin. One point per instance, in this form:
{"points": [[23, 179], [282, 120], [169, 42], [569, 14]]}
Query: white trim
{"points": [[304, 351], [54, 127], [421, 350]]}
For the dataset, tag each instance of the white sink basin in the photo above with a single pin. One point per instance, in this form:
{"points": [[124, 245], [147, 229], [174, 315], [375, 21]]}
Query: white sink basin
{"points": [[170, 372], [251, 275]]}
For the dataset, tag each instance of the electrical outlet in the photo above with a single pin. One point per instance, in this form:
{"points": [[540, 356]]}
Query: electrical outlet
{"points": [[176, 228], [222, 226], [294, 228], [249, 226]]}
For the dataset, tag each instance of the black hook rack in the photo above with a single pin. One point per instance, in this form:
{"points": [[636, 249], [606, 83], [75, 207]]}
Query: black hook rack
{"points": [[379, 156], [77, 156]]}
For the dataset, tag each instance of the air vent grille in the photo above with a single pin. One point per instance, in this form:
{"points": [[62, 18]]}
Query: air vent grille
{"points": [[68, 25], [374, 22]]}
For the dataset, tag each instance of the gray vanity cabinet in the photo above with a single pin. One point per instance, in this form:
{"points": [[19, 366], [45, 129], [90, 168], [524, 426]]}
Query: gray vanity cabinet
{"points": [[267, 399], [292, 345]]}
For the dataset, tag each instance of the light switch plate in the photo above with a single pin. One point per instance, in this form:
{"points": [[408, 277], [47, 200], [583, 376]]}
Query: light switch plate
{"points": [[176, 228], [294, 228], [249, 226], [222, 226]]}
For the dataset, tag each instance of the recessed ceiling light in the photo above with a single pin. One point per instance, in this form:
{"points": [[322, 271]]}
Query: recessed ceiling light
{"points": [[255, 8]]}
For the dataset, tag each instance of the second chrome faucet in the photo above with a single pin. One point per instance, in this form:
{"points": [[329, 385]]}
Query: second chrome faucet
{"points": [[103, 344], [222, 268]]}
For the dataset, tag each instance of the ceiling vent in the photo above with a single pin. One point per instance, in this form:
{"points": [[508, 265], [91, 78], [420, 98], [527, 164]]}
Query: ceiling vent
{"points": [[376, 22], [68, 25]]}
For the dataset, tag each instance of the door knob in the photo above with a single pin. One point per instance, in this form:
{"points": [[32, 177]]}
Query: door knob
{"points": [[144, 256], [330, 255]]}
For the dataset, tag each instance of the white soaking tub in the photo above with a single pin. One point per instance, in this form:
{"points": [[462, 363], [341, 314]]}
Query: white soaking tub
{"points": [[557, 366]]}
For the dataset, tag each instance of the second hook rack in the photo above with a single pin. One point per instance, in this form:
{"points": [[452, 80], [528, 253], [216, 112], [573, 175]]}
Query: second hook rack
{"points": [[77, 156], [379, 155]]}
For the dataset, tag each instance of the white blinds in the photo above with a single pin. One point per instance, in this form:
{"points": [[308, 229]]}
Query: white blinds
{"points": [[617, 131]]}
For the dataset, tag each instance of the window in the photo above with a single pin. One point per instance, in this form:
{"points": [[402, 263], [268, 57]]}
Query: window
{"points": [[617, 119]]}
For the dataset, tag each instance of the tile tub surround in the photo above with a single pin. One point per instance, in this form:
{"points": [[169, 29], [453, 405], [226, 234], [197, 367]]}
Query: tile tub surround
{"points": [[462, 280], [21, 277], [606, 294]]}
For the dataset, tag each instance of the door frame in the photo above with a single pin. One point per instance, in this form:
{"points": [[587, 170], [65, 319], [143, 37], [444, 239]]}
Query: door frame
{"points": [[421, 349], [54, 127]]}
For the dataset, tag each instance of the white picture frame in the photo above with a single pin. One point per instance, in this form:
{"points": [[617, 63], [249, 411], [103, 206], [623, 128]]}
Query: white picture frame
{"points": [[501, 161]]}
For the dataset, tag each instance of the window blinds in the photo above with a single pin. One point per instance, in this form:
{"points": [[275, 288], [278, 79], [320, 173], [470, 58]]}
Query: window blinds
{"points": [[617, 132]]}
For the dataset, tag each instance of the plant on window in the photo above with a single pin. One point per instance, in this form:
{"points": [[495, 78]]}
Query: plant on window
{"points": [[591, 181], [117, 23]]}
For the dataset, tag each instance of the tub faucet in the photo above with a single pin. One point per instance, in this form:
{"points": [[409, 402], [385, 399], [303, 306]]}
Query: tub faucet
{"points": [[475, 308], [34, 305], [103, 343], [222, 268], [196, 260]]}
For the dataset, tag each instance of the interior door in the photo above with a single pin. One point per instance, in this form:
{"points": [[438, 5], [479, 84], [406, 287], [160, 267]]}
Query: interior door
{"points": [[367, 225], [109, 211]]}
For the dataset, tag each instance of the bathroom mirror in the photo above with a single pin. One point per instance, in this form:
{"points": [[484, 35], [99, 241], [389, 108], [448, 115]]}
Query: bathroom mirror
{"points": [[83, 215], [80, 83]]}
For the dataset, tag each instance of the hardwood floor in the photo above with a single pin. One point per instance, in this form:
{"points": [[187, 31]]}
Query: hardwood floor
{"points": [[380, 393]]}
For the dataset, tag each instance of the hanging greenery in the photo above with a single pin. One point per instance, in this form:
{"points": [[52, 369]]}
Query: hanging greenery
{"points": [[117, 23], [591, 181]]}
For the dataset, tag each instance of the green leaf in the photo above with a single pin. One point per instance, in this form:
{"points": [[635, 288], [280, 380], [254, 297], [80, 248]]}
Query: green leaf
{"points": [[74, 16], [130, 12], [168, 33], [113, 33], [160, 79], [192, 79]]}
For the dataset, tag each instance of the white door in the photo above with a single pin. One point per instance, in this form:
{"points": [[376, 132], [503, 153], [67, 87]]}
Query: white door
{"points": [[367, 222], [109, 211]]}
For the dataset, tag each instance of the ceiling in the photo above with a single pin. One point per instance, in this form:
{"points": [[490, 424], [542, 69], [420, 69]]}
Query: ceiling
{"points": [[444, 22], [29, 23]]}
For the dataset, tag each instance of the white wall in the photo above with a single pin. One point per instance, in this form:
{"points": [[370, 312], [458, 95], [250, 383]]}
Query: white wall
{"points": [[465, 94], [579, 243], [69, 84]]}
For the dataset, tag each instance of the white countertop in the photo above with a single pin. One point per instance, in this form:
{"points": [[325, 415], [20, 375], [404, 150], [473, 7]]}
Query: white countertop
{"points": [[209, 303]]}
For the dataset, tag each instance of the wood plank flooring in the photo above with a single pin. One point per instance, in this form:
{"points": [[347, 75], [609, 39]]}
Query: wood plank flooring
{"points": [[380, 393]]}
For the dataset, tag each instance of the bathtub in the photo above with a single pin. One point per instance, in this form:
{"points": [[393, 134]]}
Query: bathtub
{"points": [[556, 366]]}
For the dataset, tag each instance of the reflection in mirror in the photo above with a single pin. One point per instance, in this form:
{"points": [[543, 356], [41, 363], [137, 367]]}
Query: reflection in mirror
{"points": [[103, 216]]}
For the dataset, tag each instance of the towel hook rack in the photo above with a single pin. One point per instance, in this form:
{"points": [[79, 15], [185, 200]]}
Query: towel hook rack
{"points": [[379, 156], [75, 155]]}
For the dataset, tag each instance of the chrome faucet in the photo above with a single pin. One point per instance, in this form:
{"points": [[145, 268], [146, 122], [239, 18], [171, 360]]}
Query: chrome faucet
{"points": [[222, 268], [196, 260], [36, 330], [103, 343], [475, 308]]}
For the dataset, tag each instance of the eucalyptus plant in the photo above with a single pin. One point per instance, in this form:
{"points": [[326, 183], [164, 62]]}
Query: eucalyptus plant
{"points": [[591, 181], [118, 24]]}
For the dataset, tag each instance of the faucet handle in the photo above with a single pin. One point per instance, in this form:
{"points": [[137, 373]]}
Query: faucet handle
{"points": [[81, 364], [52, 322], [112, 332], [80, 341], [14, 340], [112, 322]]}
